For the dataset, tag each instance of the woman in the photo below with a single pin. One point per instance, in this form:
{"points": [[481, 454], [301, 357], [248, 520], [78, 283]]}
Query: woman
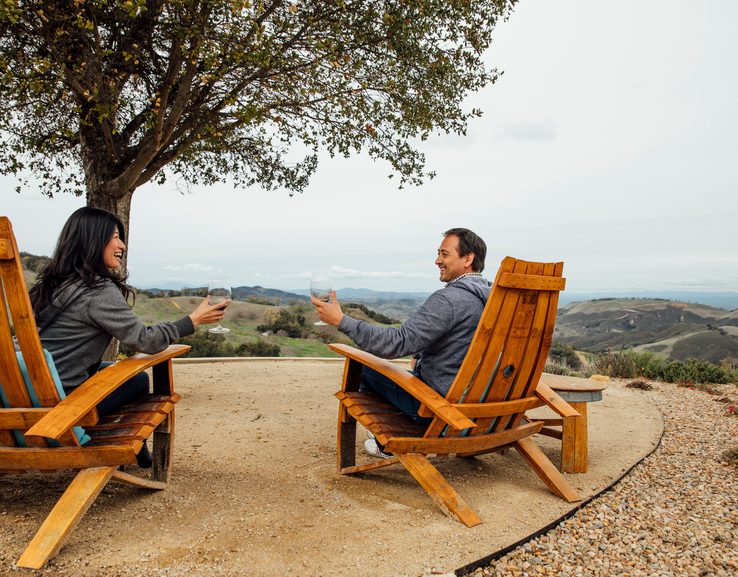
{"points": [[80, 301]]}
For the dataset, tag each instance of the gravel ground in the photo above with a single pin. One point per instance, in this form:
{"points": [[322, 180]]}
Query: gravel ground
{"points": [[675, 514]]}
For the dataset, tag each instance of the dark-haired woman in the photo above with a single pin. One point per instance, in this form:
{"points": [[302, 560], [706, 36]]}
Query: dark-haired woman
{"points": [[80, 301]]}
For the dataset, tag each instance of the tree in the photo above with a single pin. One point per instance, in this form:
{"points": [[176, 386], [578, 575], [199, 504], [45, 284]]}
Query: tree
{"points": [[132, 91]]}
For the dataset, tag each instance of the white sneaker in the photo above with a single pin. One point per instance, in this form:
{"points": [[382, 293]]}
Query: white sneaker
{"points": [[371, 447]]}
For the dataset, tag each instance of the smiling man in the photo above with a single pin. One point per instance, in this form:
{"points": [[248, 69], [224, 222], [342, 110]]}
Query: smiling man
{"points": [[437, 335]]}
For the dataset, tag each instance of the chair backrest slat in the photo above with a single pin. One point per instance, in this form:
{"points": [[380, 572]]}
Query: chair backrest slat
{"points": [[508, 352], [16, 311]]}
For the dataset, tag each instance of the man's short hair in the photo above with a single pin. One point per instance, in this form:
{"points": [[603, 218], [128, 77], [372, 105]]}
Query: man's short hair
{"points": [[470, 243]]}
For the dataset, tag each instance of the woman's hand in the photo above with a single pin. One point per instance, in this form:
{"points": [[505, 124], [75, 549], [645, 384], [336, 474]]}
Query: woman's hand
{"points": [[329, 312], [206, 313]]}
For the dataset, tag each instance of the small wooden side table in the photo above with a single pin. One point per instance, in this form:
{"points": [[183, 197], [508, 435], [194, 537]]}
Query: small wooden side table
{"points": [[573, 430]]}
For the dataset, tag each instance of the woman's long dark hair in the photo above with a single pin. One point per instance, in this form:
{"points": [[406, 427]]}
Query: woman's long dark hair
{"points": [[78, 256]]}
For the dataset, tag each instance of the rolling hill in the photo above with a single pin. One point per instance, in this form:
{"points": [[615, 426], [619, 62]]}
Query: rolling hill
{"points": [[677, 330]]}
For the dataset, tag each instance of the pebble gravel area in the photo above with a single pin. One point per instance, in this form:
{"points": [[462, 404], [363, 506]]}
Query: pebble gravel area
{"points": [[675, 514]]}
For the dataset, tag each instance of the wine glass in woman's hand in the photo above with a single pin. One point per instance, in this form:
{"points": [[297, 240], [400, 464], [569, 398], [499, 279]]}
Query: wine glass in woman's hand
{"points": [[219, 291], [320, 288]]}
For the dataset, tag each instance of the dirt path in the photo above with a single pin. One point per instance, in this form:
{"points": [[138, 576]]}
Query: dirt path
{"points": [[254, 489]]}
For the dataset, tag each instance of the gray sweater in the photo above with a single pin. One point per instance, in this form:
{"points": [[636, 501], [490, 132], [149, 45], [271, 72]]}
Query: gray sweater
{"points": [[78, 334], [441, 331]]}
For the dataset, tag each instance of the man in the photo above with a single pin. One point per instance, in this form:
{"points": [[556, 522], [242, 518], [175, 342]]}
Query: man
{"points": [[437, 335]]}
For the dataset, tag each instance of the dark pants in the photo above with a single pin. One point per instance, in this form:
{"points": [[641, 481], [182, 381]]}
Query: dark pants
{"points": [[374, 382], [130, 390]]}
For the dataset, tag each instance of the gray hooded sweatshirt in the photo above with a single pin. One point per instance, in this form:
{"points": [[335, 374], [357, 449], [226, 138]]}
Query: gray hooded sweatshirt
{"points": [[81, 322], [440, 331]]}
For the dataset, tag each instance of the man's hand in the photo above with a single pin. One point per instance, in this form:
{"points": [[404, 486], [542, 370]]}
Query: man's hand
{"points": [[329, 312]]}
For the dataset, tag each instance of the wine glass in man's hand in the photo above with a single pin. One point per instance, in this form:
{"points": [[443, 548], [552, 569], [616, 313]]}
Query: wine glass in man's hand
{"points": [[320, 288], [219, 291]]}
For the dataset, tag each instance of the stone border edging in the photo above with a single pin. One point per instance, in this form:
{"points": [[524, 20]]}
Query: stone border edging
{"points": [[470, 567]]}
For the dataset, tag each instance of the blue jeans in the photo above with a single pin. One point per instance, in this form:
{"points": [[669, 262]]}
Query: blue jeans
{"points": [[375, 382], [133, 388]]}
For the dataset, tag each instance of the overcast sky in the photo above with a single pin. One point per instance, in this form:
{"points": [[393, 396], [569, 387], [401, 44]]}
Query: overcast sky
{"points": [[610, 142]]}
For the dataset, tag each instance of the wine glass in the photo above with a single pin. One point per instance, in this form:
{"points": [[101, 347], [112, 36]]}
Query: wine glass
{"points": [[219, 290], [320, 288]]}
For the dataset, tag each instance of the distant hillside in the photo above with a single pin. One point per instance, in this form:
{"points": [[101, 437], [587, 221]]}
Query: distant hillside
{"points": [[677, 330], [256, 294], [724, 300]]}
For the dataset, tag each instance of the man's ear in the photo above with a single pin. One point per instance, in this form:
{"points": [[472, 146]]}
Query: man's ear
{"points": [[469, 260]]}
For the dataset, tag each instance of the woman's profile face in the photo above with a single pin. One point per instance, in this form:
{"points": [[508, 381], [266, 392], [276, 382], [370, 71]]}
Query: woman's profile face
{"points": [[113, 252]]}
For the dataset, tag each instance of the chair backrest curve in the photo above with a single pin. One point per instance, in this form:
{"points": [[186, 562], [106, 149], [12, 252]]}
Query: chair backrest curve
{"points": [[16, 315], [508, 352]]}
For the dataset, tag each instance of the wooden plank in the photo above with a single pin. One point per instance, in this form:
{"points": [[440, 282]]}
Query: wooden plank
{"points": [[21, 312], [535, 282], [345, 439], [65, 515], [23, 419], [549, 432], [11, 278], [417, 388], [531, 350], [378, 464], [163, 443], [54, 458], [501, 408], [511, 336], [135, 481], [451, 445], [6, 249], [554, 401], [546, 470], [439, 490], [85, 397], [555, 269], [574, 442]]}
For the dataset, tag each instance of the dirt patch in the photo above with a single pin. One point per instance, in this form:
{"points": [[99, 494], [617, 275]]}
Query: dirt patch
{"points": [[254, 489]]}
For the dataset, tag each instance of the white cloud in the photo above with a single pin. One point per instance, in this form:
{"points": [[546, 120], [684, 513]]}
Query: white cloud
{"points": [[192, 267], [338, 272], [544, 131]]}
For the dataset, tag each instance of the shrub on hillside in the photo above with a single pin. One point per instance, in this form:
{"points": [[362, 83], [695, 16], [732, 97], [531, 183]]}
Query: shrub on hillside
{"points": [[693, 371], [557, 368], [618, 364], [258, 300], [629, 364], [564, 355], [291, 322], [258, 349], [379, 317], [205, 344], [33, 262]]}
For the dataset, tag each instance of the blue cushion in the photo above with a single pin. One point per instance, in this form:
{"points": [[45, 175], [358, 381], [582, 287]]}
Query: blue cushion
{"points": [[82, 437]]}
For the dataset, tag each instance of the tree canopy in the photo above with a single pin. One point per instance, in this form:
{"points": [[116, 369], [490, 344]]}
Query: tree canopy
{"points": [[102, 96]]}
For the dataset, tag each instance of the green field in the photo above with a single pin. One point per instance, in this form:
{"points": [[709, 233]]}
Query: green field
{"points": [[243, 318]]}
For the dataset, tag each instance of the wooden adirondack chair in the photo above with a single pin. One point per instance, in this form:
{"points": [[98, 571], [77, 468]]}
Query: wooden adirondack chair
{"points": [[484, 409], [40, 430]]}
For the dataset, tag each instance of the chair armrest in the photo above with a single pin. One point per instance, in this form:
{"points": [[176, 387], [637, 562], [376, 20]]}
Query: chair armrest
{"points": [[554, 401], [70, 411], [411, 384]]}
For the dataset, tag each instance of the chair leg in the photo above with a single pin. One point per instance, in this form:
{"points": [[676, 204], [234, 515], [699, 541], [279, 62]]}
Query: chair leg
{"points": [[546, 470], [438, 488], [65, 515], [345, 440], [162, 450]]}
